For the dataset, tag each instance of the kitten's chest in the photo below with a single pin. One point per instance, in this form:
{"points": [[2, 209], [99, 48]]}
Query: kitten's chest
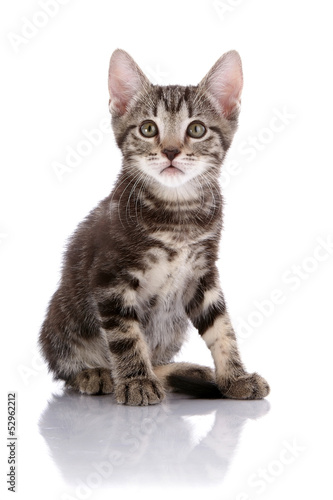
{"points": [[168, 276], [164, 283]]}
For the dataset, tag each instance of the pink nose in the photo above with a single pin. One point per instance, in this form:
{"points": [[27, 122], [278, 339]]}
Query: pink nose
{"points": [[170, 153]]}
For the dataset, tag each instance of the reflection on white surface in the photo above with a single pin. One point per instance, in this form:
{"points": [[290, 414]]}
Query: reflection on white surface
{"points": [[181, 441]]}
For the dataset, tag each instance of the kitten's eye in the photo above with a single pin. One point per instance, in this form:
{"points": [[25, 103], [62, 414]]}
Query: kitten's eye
{"points": [[196, 130], [149, 129]]}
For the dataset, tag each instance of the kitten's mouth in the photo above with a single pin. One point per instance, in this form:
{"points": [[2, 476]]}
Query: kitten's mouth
{"points": [[172, 170]]}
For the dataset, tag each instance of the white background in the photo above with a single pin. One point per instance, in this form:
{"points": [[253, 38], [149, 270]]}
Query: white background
{"points": [[278, 207]]}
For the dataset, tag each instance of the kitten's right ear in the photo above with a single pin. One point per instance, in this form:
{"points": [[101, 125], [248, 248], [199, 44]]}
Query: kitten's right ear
{"points": [[224, 83], [125, 81]]}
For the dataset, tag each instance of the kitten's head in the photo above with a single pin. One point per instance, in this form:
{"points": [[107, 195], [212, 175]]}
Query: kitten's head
{"points": [[174, 134]]}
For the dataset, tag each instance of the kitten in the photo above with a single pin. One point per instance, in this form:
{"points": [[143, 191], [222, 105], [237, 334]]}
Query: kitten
{"points": [[143, 263]]}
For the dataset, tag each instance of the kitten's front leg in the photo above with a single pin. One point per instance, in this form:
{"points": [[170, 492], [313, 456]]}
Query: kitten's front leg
{"points": [[136, 383], [208, 314]]}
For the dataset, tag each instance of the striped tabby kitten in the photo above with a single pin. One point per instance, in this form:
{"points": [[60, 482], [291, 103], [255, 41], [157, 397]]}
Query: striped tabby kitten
{"points": [[142, 264]]}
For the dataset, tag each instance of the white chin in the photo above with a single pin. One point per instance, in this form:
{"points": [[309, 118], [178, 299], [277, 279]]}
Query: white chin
{"points": [[172, 179]]}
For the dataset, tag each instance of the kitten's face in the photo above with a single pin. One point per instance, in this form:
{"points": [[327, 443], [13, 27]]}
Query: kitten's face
{"points": [[174, 134]]}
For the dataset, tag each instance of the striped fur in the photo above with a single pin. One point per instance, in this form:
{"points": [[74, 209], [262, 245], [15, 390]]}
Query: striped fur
{"points": [[143, 263]]}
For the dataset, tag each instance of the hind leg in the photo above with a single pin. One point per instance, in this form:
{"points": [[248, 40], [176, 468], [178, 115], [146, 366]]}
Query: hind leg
{"points": [[92, 381], [83, 363], [189, 370]]}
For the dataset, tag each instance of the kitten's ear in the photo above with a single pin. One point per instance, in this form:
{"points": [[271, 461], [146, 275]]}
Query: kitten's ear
{"points": [[125, 80], [224, 82]]}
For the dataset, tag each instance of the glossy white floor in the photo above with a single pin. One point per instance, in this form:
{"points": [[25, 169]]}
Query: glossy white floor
{"points": [[72, 446]]}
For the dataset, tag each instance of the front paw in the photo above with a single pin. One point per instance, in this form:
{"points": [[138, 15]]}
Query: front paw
{"points": [[139, 392], [248, 386]]}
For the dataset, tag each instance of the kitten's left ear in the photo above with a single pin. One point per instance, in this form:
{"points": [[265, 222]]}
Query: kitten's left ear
{"points": [[125, 81], [224, 82]]}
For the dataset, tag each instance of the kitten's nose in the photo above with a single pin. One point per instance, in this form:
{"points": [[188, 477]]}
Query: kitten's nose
{"points": [[170, 153]]}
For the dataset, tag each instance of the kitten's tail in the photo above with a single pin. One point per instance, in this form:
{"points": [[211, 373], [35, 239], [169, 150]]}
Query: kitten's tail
{"points": [[190, 379]]}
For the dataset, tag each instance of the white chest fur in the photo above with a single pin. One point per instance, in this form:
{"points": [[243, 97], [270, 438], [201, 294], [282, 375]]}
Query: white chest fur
{"points": [[167, 279], [167, 275]]}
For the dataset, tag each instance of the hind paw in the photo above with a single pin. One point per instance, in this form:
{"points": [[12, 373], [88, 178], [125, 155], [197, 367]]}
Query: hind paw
{"points": [[92, 381]]}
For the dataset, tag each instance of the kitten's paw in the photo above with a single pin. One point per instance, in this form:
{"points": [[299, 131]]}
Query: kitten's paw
{"points": [[248, 386], [140, 392], [92, 381]]}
